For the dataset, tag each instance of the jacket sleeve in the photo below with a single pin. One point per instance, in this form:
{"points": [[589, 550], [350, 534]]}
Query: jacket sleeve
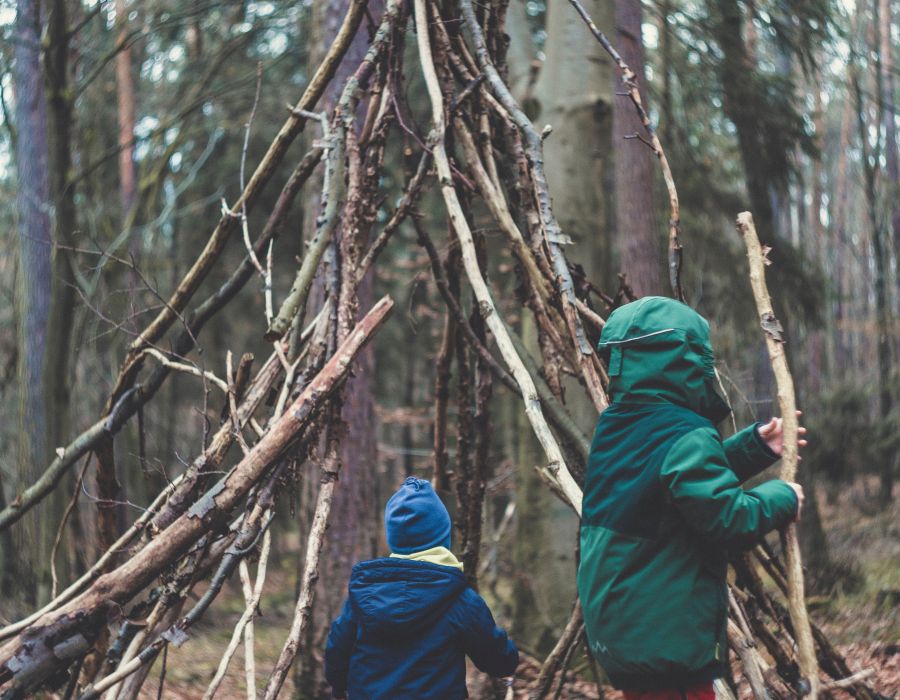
{"points": [[489, 647], [709, 496], [338, 651], [747, 453]]}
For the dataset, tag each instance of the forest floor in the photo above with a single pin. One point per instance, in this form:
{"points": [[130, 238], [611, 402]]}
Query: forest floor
{"points": [[861, 615]]}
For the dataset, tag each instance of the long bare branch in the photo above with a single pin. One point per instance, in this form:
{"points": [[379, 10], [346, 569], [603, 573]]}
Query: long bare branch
{"points": [[809, 666], [553, 233]]}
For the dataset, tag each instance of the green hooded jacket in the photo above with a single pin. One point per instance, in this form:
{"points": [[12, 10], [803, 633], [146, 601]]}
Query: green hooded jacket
{"points": [[663, 502]]}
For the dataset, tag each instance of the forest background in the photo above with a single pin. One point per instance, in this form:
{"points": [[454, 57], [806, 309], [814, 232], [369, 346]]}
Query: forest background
{"points": [[129, 129]]}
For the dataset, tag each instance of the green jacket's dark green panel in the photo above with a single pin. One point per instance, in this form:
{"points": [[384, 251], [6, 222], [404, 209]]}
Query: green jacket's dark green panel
{"points": [[662, 502], [620, 492]]}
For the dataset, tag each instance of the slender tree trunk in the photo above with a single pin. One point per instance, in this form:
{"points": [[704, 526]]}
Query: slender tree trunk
{"points": [[889, 117], [61, 122], [736, 64], [34, 295], [892, 173], [638, 237], [126, 111], [871, 158], [818, 249], [839, 245]]}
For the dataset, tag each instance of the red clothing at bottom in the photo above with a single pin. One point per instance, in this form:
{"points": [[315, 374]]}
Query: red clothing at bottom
{"points": [[698, 692]]}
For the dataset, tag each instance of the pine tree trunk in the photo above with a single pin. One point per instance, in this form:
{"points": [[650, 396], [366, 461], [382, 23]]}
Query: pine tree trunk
{"points": [[126, 111], [638, 237], [34, 295], [892, 169]]}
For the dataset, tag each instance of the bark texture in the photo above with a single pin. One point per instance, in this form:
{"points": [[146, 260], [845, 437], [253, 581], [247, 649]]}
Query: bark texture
{"points": [[638, 236], [34, 294]]}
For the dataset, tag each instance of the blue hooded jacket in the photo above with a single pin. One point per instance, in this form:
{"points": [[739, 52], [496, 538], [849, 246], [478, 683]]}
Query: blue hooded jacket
{"points": [[405, 631]]}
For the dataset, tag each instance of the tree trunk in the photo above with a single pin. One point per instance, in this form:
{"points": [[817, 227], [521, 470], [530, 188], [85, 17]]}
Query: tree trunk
{"points": [[61, 121], [892, 173], [892, 169], [735, 67], [126, 109], [349, 537], [638, 238], [573, 95], [871, 157], [665, 56], [34, 295], [839, 245]]}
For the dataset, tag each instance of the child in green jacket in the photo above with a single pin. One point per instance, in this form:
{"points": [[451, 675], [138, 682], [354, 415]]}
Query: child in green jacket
{"points": [[663, 502]]}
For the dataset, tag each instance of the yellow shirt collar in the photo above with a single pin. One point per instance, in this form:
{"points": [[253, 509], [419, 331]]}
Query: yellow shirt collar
{"points": [[434, 555]]}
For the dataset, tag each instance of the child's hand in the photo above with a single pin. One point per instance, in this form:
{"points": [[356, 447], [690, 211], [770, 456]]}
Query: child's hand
{"points": [[798, 489], [772, 434]]}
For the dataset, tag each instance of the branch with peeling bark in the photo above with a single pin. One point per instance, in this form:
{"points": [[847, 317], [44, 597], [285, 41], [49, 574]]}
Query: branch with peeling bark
{"points": [[809, 666]]}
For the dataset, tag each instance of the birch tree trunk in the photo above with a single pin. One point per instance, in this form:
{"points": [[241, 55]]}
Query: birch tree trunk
{"points": [[573, 95]]}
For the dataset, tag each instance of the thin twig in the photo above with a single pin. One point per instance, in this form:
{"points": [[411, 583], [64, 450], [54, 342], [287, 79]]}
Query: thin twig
{"points": [[243, 623], [244, 224], [188, 369], [62, 524]]}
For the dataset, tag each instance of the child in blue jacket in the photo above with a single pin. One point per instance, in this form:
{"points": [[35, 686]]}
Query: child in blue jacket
{"points": [[410, 620]]}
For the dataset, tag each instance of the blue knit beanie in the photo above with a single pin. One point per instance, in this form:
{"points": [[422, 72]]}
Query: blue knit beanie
{"points": [[415, 518]]}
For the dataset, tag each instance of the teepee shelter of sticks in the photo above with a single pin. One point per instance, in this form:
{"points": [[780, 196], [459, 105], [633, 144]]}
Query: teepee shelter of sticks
{"points": [[205, 525]]}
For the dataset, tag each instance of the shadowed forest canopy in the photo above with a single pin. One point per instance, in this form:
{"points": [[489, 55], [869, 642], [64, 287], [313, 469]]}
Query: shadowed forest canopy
{"points": [[266, 259]]}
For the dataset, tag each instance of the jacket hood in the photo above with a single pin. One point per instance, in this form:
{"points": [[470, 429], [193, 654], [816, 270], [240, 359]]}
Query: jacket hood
{"points": [[397, 598], [658, 349]]}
